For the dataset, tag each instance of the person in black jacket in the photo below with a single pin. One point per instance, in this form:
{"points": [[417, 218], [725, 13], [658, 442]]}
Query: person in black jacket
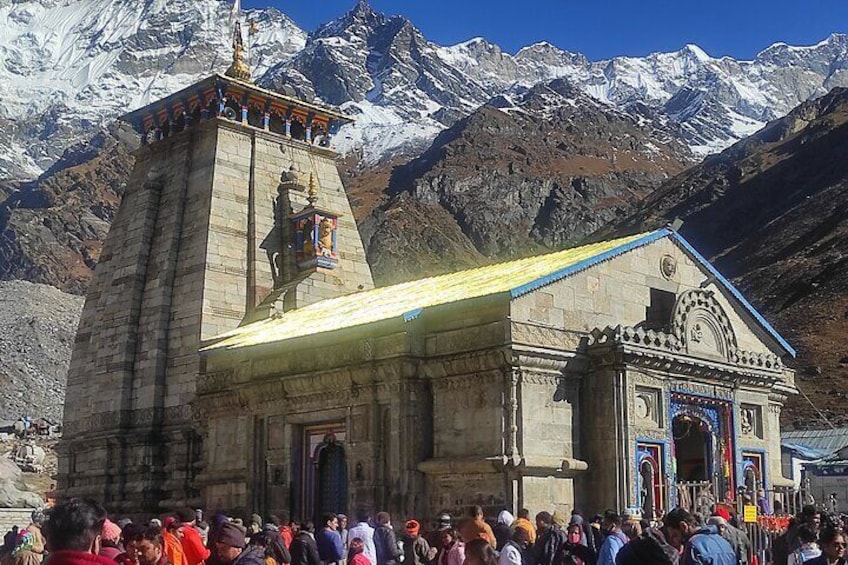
{"points": [[385, 541], [231, 550], [549, 539], [304, 549], [650, 547], [269, 539]]}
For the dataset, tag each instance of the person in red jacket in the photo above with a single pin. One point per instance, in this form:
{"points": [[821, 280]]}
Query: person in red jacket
{"points": [[356, 553], [72, 533], [194, 552]]}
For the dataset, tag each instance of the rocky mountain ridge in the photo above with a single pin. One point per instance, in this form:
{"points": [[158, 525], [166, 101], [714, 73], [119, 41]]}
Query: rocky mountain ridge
{"points": [[771, 212], [536, 169], [72, 66]]}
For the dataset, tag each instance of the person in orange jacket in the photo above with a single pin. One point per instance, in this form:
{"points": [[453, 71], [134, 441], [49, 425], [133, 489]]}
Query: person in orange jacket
{"points": [[476, 527], [173, 547], [523, 522]]}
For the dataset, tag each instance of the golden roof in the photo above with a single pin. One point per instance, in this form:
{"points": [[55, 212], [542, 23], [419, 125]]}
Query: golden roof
{"points": [[407, 300]]}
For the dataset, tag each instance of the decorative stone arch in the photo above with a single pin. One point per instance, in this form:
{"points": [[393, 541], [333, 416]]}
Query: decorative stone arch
{"points": [[702, 325]]}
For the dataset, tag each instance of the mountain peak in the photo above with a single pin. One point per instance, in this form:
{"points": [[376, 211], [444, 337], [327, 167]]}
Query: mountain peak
{"points": [[362, 9], [697, 52], [361, 16]]}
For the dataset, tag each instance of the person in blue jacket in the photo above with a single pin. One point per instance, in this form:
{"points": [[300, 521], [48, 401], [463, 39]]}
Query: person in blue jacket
{"points": [[702, 545], [615, 539], [330, 547]]}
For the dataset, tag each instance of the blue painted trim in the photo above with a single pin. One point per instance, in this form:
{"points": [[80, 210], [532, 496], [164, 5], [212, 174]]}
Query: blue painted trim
{"points": [[412, 314], [587, 263], [736, 294], [663, 444]]}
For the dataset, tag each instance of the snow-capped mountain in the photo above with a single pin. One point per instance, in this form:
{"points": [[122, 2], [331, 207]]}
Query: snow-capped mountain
{"points": [[72, 66]]}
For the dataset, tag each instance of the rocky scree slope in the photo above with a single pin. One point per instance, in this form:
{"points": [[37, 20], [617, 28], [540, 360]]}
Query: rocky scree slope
{"points": [[533, 170], [37, 328], [772, 213]]}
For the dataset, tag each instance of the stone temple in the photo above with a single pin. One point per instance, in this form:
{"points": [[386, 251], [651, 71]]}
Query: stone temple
{"points": [[234, 353]]}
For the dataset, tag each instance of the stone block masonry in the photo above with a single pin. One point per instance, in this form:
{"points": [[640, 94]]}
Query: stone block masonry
{"points": [[199, 242], [19, 517]]}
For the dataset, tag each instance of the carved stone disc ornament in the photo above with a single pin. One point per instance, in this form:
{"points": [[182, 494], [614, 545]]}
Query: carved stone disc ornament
{"points": [[668, 266]]}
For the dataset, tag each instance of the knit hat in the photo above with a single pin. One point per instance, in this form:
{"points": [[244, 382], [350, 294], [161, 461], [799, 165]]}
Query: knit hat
{"points": [[231, 535], [37, 516], [559, 519], [632, 514], [256, 519], [723, 513], [412, 527], [186, 515], [576, 519], [111, 531], [444, 521]]}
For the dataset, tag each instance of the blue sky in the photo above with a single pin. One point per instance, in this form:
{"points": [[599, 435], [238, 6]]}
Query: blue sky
{"points": [[602, 28]]}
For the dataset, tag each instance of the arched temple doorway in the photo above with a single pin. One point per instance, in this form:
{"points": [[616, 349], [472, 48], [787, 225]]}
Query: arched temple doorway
{"points": [[331, 477], [692, 449]]}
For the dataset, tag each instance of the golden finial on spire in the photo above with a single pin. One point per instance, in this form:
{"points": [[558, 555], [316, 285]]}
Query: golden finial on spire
{"points": [[239, 68], [312, 195]]}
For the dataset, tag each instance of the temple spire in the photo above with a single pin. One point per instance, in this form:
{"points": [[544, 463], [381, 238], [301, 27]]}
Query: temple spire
{"points": [[238, 69]]}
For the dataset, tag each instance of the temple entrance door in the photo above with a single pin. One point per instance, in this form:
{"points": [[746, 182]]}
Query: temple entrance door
{"points": [[320, 473], [331, 477], [692, 449]]}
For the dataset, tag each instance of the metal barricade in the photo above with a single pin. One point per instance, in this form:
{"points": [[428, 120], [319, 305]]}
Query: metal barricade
{"points": [[700, 497]]}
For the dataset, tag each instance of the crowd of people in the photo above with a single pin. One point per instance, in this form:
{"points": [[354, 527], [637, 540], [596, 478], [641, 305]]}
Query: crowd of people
{"points": [[78, 532]]}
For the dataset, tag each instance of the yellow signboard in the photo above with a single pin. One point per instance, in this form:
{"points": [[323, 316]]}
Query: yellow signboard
{"points": [[750, 513]]}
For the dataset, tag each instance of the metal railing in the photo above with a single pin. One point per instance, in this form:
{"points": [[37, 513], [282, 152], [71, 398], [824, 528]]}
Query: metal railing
{"points": [[780, 504]]}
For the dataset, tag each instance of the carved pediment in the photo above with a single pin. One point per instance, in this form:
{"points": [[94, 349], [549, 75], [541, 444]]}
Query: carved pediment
{"points": [[702, 326]]}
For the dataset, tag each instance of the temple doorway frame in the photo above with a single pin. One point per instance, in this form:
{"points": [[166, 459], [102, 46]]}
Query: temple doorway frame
{"points": [[314, 439], [717, 414]]}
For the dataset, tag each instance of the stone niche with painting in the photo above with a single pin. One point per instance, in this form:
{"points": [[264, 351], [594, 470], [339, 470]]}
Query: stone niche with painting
{"points": [[315, 239]]}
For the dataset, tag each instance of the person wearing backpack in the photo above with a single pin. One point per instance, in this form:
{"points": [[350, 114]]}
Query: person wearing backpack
{"points": [[516, 551], [615, 539], [385, 541]]}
